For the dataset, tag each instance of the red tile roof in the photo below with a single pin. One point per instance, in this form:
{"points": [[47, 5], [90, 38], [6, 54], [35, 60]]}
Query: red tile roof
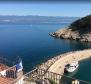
{"points": [[6, 80], [3, 67]]}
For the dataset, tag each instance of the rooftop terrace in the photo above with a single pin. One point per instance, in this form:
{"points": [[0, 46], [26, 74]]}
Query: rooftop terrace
{"points": [[8, 75]]}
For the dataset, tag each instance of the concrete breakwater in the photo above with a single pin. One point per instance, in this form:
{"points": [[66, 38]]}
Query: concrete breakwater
{"points": [[56, 65]]}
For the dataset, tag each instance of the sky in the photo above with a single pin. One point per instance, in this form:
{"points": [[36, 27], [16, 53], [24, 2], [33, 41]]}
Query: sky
{"points": [[46, 9]]}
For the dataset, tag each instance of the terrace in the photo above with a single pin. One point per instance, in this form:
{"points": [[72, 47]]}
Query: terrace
{"points": [[8, 75]]}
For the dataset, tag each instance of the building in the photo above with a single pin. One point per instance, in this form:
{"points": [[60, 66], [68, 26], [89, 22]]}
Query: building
{"points": [[10, 75]]}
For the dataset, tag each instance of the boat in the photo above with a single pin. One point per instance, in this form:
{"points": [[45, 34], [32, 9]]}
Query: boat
{"points": [[71, 67]]}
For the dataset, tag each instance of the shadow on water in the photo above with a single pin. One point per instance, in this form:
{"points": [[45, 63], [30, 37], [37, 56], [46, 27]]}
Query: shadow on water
{"points": [[84, 71], [71, 74], [81, 73], [67, 78]]}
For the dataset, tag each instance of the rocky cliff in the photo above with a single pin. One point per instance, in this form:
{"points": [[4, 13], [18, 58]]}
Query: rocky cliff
{"points": [[79, 30]]}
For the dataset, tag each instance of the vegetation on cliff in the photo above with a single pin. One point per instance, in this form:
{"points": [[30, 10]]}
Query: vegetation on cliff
{"points": [[82, 23], [78, 30]]}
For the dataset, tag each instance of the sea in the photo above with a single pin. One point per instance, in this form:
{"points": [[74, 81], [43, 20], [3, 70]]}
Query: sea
{"points": [[34, 45]]}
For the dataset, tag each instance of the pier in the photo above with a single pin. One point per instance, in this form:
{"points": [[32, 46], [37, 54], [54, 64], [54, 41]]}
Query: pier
{"points": [[53, 69], [58, 66]]}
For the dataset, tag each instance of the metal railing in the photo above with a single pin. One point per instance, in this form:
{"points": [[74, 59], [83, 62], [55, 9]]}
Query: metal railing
{"points": [[12, 75], [39, 76]]}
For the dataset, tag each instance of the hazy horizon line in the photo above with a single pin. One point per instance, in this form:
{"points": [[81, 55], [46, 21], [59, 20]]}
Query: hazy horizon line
{"points": [[40, 15]]}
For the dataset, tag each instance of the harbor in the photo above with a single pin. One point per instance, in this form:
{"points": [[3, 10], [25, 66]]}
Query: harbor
{"points": [[54, 68]]}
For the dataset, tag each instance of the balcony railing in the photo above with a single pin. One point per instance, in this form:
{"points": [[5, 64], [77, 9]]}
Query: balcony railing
{"points": [[39, 76], [8, 72]]}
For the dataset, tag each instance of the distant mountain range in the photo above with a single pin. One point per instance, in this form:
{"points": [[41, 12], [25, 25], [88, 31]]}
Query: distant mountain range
{"points": [[35, 19]]}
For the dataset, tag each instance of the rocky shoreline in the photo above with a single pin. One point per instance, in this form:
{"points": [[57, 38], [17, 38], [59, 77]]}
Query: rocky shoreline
{"points": [[67, 33], [79, 30]]}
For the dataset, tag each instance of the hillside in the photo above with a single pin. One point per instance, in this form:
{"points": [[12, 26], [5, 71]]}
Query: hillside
{"points": [[79, 30]]}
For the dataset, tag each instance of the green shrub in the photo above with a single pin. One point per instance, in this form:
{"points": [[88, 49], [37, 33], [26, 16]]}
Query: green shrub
{"points": [[81, 23]]}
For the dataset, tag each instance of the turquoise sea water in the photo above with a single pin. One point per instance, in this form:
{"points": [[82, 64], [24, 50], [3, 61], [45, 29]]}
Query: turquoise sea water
{"points": [[34, 45], [83, 71]]}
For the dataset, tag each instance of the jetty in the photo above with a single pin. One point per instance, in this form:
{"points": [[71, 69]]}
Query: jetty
{"points": [[53, 69], [58, 66]]}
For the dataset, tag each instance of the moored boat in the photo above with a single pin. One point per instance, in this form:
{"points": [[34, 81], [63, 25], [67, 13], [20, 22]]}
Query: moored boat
{"points": [[71, 67]]}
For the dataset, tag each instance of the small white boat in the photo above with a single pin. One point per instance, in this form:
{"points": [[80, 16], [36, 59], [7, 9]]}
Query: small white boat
{"points": [[71, 67]]}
